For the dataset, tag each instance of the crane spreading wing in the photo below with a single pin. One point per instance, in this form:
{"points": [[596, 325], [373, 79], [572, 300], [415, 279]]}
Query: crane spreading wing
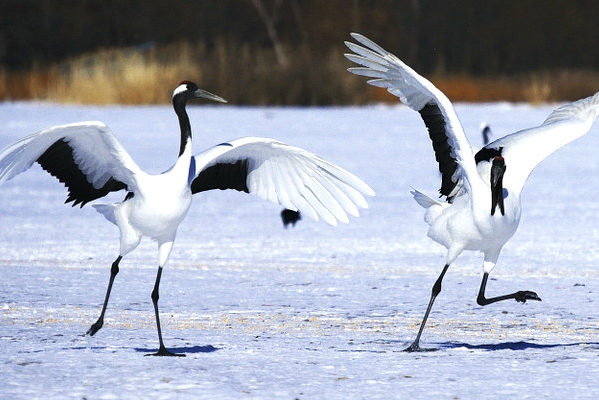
{"points": [[525, 149], [452, 149], [283, 174], [85, 156]]}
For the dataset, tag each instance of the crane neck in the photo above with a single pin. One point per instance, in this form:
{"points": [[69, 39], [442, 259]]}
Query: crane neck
{"points": [[184, 125]]}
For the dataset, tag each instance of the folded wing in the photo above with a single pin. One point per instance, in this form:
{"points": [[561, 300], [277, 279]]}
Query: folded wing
{"points": [[85, 156], [283, 174]]}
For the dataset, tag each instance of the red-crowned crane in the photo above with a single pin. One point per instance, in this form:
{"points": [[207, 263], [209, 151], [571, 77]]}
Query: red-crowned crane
{"points": [[91, 163], [482, 190]]}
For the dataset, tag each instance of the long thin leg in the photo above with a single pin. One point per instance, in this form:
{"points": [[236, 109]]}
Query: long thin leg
{"points": [[415, 346], [113, 271], [520, 296], [162, 351]]}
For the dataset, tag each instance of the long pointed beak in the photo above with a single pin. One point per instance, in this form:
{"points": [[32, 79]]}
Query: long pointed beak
{"points": [[207, 95], [496, 175], [497, 172]]}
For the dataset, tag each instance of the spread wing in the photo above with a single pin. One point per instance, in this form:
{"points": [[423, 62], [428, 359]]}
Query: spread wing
{"points": [[452, 149], [85, 156], [525, 149], [283, 174]]}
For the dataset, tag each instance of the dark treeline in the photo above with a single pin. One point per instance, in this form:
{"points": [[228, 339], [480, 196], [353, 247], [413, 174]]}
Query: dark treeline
{"points": [[474, 38], [469, 36]]}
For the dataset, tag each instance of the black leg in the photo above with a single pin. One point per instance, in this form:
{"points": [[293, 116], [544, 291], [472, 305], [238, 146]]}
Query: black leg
{"points": [[98, 324], [162, 351], [520, 296], [415, 346]]}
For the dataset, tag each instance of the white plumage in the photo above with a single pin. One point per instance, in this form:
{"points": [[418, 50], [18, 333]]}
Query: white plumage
{"points": [[471, 182], [292, 177], [89, 160], [96, 152]]}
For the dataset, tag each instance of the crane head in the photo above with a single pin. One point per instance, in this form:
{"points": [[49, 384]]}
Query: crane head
{"points": [[188, 90]]}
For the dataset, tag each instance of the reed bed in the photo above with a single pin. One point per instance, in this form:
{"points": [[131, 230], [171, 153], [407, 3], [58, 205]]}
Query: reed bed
{"points": [[246, 74]]}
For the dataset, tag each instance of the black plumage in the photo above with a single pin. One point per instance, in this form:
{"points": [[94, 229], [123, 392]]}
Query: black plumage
{"points": [[486, 134], [290, 217], [435, 124], [223, 176], [487, 154], [58, 160]]}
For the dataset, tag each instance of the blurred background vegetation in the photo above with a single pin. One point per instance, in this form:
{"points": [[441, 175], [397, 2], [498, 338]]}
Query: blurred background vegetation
{"points": [[290, 52]]}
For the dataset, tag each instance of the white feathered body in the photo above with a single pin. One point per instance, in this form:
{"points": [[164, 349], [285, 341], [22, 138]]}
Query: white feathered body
{"points": [[159, 204], [158, 212], [463, 225]]}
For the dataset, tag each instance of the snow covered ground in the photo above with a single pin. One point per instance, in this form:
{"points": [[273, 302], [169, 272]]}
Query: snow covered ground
{"points": [[314, 312]]}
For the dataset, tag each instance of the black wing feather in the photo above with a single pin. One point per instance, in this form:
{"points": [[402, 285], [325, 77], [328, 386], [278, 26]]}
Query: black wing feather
{"points": [[58, 160], [223, 176], [487, 154], [435, 124]]}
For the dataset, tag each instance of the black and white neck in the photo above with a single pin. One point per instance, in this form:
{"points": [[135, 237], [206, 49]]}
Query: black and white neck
{"points": [[181, 95]]}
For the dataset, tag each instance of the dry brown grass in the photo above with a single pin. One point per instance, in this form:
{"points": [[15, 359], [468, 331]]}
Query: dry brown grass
{"points": [[538, 87], [249, 75], [107, 77]]}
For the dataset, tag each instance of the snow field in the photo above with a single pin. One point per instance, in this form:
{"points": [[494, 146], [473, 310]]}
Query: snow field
{"points": [[310, 312]]}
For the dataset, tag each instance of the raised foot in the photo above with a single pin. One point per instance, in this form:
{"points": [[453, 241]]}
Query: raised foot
{"points": [[95, 327], [524, 295], [415, 347], [164, 352]]}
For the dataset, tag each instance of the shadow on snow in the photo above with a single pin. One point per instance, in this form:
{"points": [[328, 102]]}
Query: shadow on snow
{"points": [[185, 350], [521, 345], [398, 346]]}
